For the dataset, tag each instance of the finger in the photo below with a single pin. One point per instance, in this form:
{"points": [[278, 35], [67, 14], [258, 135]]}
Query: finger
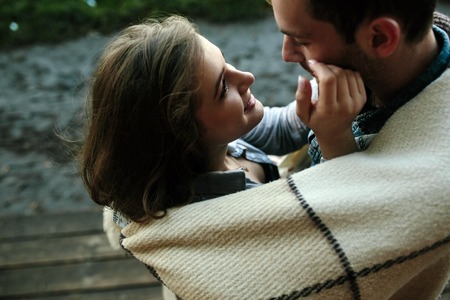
{"points": [[361, 86], [326, 81], [357, 90], [303, 99], [351, 90], [347, 85], [314, 90], [353, 85]]}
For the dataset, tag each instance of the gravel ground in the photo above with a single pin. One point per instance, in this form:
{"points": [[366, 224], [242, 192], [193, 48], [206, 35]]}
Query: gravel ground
{"points": [[41, 93]]}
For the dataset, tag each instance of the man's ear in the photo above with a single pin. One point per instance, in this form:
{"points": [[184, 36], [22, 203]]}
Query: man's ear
{"points": [[382, 36]]}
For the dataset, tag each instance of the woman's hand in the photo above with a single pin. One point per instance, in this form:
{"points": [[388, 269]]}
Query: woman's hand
{"points": [[342, 95]]}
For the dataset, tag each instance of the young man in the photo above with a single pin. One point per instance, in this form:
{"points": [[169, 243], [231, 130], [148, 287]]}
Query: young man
{"points": [[391, 43], [368, 225]]}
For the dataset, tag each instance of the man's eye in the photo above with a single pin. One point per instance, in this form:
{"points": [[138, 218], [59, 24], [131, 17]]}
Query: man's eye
{"points": [[298, 42]]}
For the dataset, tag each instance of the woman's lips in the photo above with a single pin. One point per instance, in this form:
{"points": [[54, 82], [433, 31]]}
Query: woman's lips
{"points": [[250, 104]]}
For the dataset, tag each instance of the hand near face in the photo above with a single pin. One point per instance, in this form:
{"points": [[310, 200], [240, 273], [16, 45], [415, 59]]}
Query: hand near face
{"points": [[341, 97]]}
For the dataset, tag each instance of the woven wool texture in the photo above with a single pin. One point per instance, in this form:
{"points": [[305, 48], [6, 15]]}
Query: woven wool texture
{"points": [[370, 225]]}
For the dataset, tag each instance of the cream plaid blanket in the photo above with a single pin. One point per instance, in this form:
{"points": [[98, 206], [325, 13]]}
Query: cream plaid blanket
{"points": [[370, 225]]}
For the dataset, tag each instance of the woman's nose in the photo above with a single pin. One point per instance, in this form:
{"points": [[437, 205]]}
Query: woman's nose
{"points": [[290, 52], [242, 79], [246, 79]]}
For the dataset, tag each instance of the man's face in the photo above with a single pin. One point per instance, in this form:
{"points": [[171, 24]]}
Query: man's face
{"points": [[306, 38]]}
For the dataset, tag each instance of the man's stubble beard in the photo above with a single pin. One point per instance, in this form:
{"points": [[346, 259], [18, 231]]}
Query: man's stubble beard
{"points": [[371, 69]]}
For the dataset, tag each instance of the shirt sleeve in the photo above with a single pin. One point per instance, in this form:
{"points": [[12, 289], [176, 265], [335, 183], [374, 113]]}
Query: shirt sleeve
{"points": [[280, 131]]}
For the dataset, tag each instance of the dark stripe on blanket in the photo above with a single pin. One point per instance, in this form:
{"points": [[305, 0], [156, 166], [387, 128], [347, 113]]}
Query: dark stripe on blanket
{"points": [[401, 259], [315, 289], [364, 272], [149, 268], [351, 275]]}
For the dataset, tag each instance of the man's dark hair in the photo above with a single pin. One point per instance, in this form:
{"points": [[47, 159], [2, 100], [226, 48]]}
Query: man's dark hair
{"points": [[415, 16]]}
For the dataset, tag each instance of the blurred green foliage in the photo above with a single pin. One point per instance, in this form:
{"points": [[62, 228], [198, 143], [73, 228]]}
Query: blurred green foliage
{"points": [[24, 22]]}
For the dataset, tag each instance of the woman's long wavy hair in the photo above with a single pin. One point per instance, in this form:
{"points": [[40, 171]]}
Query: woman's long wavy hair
{"points": [[142, 147]]}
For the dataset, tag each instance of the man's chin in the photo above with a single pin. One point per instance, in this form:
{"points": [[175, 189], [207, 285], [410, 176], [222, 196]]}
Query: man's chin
{"points": [[305, 67]]}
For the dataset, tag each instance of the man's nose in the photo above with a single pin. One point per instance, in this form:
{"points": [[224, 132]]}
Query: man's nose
{"points": [[290, 52]]}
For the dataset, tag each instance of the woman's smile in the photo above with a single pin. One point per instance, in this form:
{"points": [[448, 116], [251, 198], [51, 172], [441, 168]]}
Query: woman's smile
{"points": [[226, 107], [250, 104]]}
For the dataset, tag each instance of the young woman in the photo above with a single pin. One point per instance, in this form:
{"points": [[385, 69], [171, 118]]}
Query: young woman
{"points": [[171, 123]]}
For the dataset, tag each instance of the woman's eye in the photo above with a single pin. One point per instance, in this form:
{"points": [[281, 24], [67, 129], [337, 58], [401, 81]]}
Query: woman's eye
{"points": [[224, 88]]}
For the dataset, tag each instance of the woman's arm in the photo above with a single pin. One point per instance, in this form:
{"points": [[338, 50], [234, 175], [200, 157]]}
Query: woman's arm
{"points": [[279, 132]]}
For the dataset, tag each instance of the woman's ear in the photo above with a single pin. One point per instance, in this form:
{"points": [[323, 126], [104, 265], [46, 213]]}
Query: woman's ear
{"points": [[381, 36]]}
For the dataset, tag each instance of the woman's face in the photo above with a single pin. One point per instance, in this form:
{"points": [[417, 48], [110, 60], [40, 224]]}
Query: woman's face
{"points": [[227, 109]]}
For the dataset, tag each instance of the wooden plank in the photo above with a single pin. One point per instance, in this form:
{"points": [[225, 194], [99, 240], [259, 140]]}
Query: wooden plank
{"points": [[15, 254], [35, 226], [67, 256], [145, 293], [74, 278]]}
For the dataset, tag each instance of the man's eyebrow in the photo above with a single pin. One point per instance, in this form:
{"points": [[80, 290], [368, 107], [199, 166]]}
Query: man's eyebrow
{"points": [[218, 83], [286, 33]]}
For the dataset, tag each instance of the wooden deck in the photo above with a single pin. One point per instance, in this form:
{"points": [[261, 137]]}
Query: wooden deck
{"points": [[67, 256]]}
